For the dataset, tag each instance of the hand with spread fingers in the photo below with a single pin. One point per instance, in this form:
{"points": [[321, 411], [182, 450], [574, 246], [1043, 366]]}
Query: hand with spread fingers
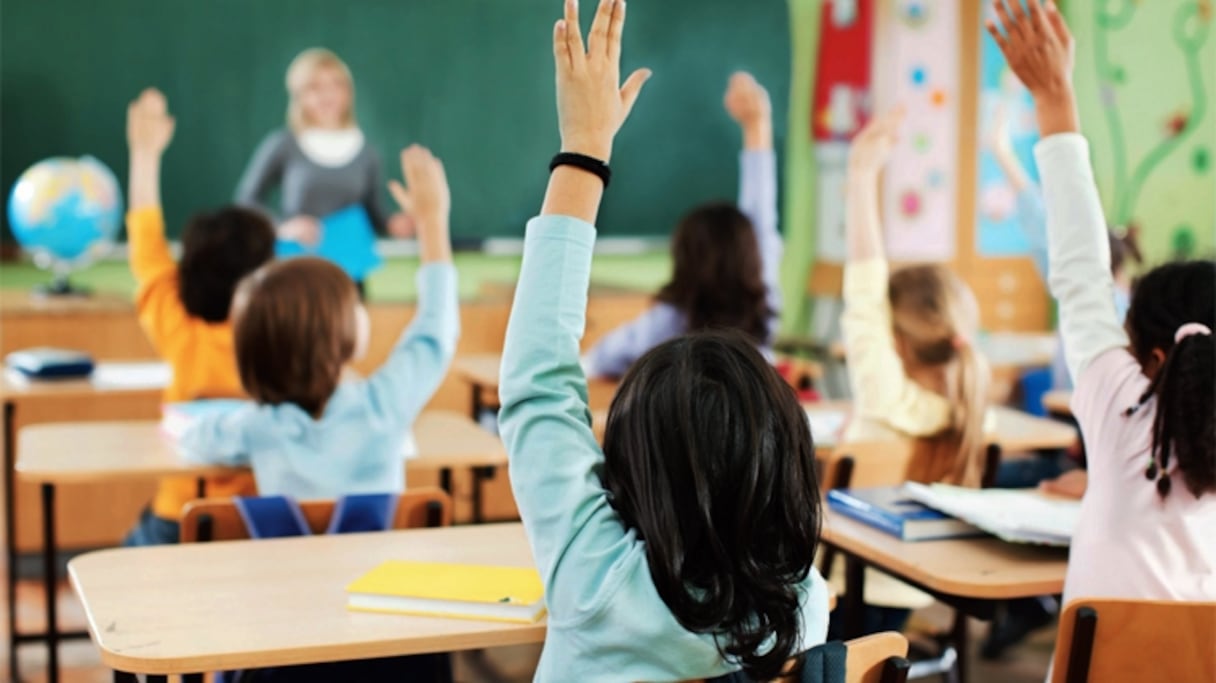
{"points": [[1040, 50], [872, 146], [591, 102], [425, 197]]}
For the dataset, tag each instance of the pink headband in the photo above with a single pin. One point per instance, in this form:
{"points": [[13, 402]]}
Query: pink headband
{"points": [[1190, 329]]}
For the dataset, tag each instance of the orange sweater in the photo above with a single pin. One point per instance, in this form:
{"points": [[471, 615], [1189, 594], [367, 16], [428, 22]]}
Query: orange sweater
{"points": [[200, 353]]}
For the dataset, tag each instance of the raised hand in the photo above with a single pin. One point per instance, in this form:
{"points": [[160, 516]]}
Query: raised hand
{"points": [[871, 147], [1040, 50], [748, 104], [149, 126], [426, 197], [591, 102]]}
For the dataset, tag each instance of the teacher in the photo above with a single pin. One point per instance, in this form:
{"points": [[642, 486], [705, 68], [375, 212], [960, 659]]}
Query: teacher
{"points": [[321, 163]]}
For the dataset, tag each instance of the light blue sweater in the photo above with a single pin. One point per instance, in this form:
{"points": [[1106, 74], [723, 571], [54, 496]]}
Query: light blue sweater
{"points": [[606, 619], [358, 443]]}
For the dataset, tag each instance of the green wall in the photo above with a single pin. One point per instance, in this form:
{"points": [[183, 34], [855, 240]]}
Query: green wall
{"points": [[471, 78], [1143, 67]]}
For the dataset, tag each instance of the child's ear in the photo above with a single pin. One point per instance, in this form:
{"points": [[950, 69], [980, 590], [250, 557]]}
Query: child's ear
{"points": [[1156, 358]]}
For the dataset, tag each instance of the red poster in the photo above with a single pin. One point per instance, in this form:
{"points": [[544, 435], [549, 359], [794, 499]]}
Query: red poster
{"points": [[842, 79]]}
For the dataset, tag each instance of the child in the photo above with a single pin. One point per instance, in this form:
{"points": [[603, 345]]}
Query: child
{"points": [[725, 258], [183, 307], [1145, 398], [684, 549], [297, 324], [909, 338], [321, 163]]}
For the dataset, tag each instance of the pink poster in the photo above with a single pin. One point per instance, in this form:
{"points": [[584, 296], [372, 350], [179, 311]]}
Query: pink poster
{"points": [[916, 65]]}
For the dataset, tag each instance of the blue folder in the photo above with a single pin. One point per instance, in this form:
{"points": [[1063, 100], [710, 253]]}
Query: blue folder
{"points": [[347, 238]]}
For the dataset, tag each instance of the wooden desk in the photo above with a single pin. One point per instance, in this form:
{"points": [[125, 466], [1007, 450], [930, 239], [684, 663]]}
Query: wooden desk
{"points": [[481, 371], [1015, 431], [108, 452], [1058, 402], [972, 575], [116, 390], [236, 605]]}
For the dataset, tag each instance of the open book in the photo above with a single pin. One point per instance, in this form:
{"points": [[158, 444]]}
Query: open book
{"points": [[1014, 515]]}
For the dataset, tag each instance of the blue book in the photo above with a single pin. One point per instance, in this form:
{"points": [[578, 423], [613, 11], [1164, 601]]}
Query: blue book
{"points": [[893, 511], [179, 416], [49, 363], [347, 238]]}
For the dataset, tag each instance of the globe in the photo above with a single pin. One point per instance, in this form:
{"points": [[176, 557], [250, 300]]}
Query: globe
{"points": [[65, 212]]}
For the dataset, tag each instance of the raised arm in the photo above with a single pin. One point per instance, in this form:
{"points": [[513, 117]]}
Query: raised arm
{"points": [[881, 389], [748, 104], [1039, 49], [545, 422], [149, 131], [420, 360]]}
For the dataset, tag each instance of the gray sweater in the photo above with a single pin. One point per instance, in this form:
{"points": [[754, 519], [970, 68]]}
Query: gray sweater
{"points": [[308, 188]]}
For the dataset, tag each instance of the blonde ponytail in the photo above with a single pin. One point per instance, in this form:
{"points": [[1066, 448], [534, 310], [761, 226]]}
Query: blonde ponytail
{"points": [[968, 380]]}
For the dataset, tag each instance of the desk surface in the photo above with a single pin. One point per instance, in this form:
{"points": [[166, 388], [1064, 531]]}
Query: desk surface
{"points": [[1015, 431], [210, 606], [1058, 401], [92, 452], [980, 568], [482, 370], [143, 377]]}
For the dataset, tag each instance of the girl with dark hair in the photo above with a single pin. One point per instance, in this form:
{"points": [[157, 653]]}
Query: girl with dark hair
{"points": [[725, 258], [684, 548], [1145, 398]]}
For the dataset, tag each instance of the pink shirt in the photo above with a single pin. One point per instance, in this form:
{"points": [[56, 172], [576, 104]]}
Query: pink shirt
{"points": [[1129, 542]]}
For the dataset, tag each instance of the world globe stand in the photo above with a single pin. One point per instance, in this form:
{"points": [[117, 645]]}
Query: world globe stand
{"points": [[60, 285]]}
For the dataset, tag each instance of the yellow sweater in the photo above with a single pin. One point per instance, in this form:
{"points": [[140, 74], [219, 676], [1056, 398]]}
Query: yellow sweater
{"points": [[200, 353]]}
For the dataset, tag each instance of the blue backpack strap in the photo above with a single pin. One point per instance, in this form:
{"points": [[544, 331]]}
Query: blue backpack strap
{"points": [[363, 512], [272, 517]]}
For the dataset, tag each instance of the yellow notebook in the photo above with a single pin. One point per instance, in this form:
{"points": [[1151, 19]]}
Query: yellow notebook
{"points": [[450, 590]]}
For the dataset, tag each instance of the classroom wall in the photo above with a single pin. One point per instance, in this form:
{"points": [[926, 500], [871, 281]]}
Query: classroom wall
{"points": [[471, 78], [1146, 81]]}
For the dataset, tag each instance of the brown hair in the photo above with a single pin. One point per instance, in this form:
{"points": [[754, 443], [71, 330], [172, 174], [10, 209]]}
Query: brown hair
{"points": [[935, 315], [295, 327], [717, 280]]}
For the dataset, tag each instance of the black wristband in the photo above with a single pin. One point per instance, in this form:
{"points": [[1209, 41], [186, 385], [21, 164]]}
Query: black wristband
{"points": [[584, 162]]}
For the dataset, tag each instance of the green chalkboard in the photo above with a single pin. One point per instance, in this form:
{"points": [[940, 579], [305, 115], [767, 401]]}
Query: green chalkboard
{"points": [[473, 79]]}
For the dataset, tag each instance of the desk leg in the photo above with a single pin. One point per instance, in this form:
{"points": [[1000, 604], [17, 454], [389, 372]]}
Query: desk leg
{"points": [[10, 532], [445, 479], [854, 602], [192, 678], [124, 677], [50, 582], [478, 405], [962, 639]]}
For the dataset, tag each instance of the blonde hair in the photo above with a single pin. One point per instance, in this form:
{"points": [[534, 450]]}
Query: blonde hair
{"points": [[935, 315], [300, 74]]}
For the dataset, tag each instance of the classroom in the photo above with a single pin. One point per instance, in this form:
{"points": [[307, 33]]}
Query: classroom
{"points": [[823, 341]]}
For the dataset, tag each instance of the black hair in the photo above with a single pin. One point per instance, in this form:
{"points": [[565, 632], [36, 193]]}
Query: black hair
{"points": [[708, 456], [1184, 385], [218, 249], [717, 276]]}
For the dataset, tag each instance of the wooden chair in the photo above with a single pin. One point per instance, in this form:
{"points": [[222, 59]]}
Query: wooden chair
{"points": [[218, 520], [877, 658], [1126, 641]]}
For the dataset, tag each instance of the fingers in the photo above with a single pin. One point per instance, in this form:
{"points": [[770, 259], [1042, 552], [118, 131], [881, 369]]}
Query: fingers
{"points": [[616, 28], [1037, 20], [597, 40], [561, 47], [995, 32], [1005, 22], [1058, 26], [633, 88], [574, 34], [401, 196]]}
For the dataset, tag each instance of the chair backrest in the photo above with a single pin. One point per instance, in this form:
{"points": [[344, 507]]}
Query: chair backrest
{"points": [[877, 658], [217, 519], [1121, 641], [884, 463]]}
